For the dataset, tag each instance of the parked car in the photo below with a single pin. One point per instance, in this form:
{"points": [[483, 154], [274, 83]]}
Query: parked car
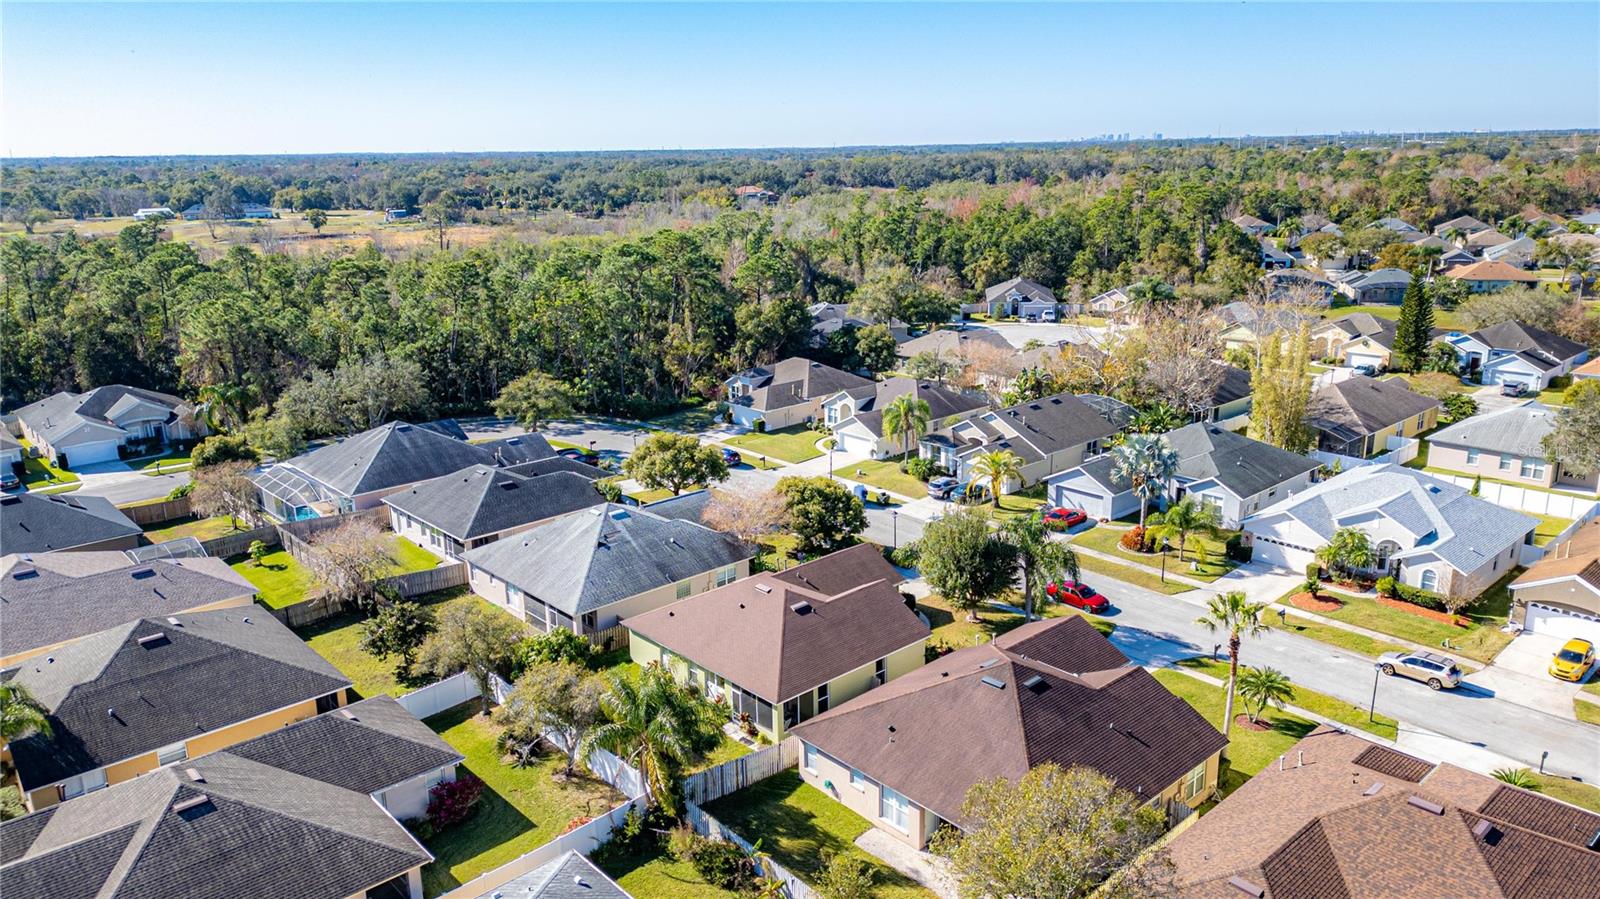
{"points": [[1572, 660], [1513, 388], [1078, 595], [969, 493], [587, 457], [9, 480], [1370, 371], [731, 457], [942, 487], [1059, 517], [1437, 671]]}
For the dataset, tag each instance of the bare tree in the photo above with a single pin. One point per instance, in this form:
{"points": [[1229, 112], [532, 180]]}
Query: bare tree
{"points": [[225, 489], [350, 558], [748, 516], [1169, 353], [989, 368]]}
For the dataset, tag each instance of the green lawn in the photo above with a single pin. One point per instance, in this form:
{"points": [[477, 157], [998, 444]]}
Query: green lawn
{"points": [[409, 557], [280, 580], [1549, 528], [797, 824], [1553, 397], [1579, 794], [1481, 639], [793, 444], [1310, 700], [1128, 575], [1586, 711], [1105, 539], [1249, 751], [653, 874], [691, 420], [1442, 318], [1336, 636], [39, 472], [199, 528], [950, 627], [726, 751], [173, 461], [1022, 503], [644, 497], [885, 474], [338, 639], [521, 808]]}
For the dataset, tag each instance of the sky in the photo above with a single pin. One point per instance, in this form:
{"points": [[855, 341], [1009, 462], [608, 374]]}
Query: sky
{"points": [[79, 79]]}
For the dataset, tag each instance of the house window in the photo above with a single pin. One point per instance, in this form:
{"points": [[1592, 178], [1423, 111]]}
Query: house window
{"points": [[880, 671], [895, 809], [1422, 421], [1532, 468], [1195, 782], [822, 699], [1430, 579], [591, 621], [727, 575], [1505, 463], [858, 780], [177, 752], [87, 782], [810, 757], [1472, 457], [683, 589]]}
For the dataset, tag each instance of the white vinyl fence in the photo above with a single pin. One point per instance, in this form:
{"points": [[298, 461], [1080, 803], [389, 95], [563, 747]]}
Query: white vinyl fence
{"points": [[585, 840], [447, 694], [704, 824], [736, 774], [1400, 451], [1527, 499]]}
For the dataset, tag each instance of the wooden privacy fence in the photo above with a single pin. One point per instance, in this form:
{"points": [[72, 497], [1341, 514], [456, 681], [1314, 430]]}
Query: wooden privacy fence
{"points": [[238, 543], [416, 583], [613, 637], [296, 535], [736, 774], [146, 514]]}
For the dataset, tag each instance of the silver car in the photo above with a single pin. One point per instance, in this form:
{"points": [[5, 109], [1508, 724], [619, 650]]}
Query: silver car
{"points": [[1437, 671]]}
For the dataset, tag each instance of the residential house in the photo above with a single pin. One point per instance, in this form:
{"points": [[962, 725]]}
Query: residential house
{"points": [[1588, 218], [1354, 339], [1112, 302], [567, 876], [905, 755], [1049, 434], [1466, 224], [1488, 276], [245, 211], [1229, 401], [1506, 445], [10, 452], [856, 416], [78, 429], [1357, 416], [153, 212], [1560, 593], [1251, 225], [374, 747], [1518, 253], [1587, 371], [587, 570], [1398, 226], [359, 471], [785, 393], [1384, 285], [481, 504], [1300, 285], [38, 523], [783, 648], [1230, 472], [396, 214], [955, 345], [214, 827], [147, 693], [1512, 352], [750, 196], [1424, 531], [1274, 258], [1483, 240], [1021, 298], [1243, 324], [52, 599], [1340, 815]]}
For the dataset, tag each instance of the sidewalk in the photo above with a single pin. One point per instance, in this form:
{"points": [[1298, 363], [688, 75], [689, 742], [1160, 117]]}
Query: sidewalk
{"points": [[1122, 560]]}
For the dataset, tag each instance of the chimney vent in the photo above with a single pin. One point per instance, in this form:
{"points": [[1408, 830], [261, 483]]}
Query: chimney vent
{"points": [[1432, 808]]}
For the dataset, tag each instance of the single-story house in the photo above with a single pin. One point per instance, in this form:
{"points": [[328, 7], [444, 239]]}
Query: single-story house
{"points": [[145, 694], [481, 504], [1587, 371], [1424, 531], [1466, 224], [39, 522], [153, 212], [1384, 285], [808, 638], [1357, 338], [78, 429], [785, 393], [1229, 401], [1398, 226], [217, 826], [856, 416], [1483, 240], [52, 599], [1340, 815], [1230, 472], [359, 471], [245, 211], [1517, 252], [1251, 225], [1514, 352], [954, 345], [374, 747], [905, 755], [587, 570], [1357, 416], [10, 451], [1274, 258], [1560, 593], [1049, 434], [1113, 301], [567, 876], [1488, 276], [1299, 284], [1022, 298], [1242, 325], [1506, 445]]}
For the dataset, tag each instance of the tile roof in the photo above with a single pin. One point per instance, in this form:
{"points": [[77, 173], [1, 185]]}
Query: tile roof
{"points": [[53, 597], [794, 381], [37, 523], [943, 402], [1491, 271], [1363, 405], [584, 560], [396, 454], [1577, 557], [569, 876], [216, 827], [999, 709], [1515, 430], [483, 500], [149, 683], [797, 629]]}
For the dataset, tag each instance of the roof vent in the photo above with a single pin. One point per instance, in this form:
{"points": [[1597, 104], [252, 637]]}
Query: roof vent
{"points": [[994, 682], [10, 500], [349, 714], [801, 608], [509, 485], [404, 429], [764, 588], [988, 663], [1035, 684], [142, 573], [619, 514], [195, 775], [156, 639], [1485, 830], [1432, 808], [1247, 887], [191, 804], [173, 621], [24, 572], [1373, 790]]}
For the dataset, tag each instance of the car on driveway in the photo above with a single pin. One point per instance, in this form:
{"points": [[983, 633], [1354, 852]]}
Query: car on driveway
{"points": [[1572, 660], [731, 457], [1078, 595], [969, 493], [1064, 518], [587, 457], [1513, 388], [1370, 371], [942, 487], [9, 480], [1437, 671]]}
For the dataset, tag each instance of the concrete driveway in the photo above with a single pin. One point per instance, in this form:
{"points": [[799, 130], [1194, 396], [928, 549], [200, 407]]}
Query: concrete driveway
{"points": [[1490, 400], [1259, 581], [1520, 674]]}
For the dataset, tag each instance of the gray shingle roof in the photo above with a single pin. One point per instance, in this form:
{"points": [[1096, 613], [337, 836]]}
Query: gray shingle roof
{"points": [[162, 681], [1538, 346], [949, 343], [56, 417], [1041, 427], [36, 523], [571, 876], [1518, 431], [594, 557], [689, 506], [1031, 290], [942, 401], [482, 500], [1365, 324], [794, 381], [232, 828], [1243, 465], [1362, 405], [61, 596], [389, 456]]}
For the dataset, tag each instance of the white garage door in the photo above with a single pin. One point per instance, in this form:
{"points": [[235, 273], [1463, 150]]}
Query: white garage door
{"points": [[1373, 359], [90, 453], [1543, 619], [1092, 505], [856, 445], [1280, 556]]}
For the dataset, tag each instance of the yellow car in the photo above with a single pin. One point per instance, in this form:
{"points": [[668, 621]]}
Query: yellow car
{"points": [[1572, 660]]}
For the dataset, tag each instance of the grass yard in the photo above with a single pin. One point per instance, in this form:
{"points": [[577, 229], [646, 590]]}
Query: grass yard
{"points": [[1128, 575], [1020, 504], [1586, 711], [1549, 528], [521, 809], [1580, 794], [409, 557], [1105, 539], [792, 444], [1249, 751], [1551, 396], [655, 874], [1310, 700], [190, 526], [338, 639], [689, 421], [1481, 639], [777, 551], [644, 497], [173, 461], [885, 474], [951, 627], [39, 472], [1442, 318], [797, 824], [1336, 636], [280, 580], [726, 751]]}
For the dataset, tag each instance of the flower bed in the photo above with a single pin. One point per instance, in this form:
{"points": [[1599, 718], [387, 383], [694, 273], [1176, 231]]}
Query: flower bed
{"points": [[1315, 604], [1420, 611]]}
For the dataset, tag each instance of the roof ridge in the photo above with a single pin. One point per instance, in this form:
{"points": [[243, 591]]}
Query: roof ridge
{"points": [[144, 829]]}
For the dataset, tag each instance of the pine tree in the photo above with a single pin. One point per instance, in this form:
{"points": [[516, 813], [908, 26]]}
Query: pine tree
{"points": [[1413, 333]]}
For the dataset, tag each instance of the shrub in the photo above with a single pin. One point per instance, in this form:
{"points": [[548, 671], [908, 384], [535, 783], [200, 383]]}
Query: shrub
{"points": [[1560, 382], [905, 556], [420, 828], [761, 426], [181, 491], [1387, 585], [452, 802], [1134, 539], [1236, 550], [683, 843], [1313, 571], [919, 468], [1420, 597], [558, 645], [610, 489], [721, 863], [222, 448], [845, 877]]}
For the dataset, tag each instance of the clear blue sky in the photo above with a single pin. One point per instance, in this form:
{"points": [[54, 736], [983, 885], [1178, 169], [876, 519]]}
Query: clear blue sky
{"points": [[84, 79]]}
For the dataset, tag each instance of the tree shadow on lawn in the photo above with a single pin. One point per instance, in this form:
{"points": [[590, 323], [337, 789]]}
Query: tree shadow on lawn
{"points": [[494, 822]]}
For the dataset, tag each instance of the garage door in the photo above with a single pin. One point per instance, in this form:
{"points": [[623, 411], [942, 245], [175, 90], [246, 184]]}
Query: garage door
{"points": [[90, 453], [1543, 619], [1280, 556], [856, 445], [1092, 505], [1373, 359]]}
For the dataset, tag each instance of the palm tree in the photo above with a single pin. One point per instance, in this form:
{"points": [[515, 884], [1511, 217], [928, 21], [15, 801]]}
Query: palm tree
{"points": [[1145, 463], [226, 404], [1514, 225], [998, 468], [1187, 516], [1455, 236], [652, 726], [1040, 560], [1157, 419], [1581, 269], [1235, 613], [20, 713], [906, 418], [1260, 687], [1349, 550]]}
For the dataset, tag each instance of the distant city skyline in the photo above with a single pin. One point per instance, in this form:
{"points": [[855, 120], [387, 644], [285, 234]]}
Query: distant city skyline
{"points": [[204, 79]]}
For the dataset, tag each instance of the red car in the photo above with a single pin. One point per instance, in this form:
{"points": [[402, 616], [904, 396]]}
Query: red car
{"points": [[1064, 518], [1078, 595]]}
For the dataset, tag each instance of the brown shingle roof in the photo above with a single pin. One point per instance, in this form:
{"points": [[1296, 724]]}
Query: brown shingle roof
{"points": [[1490, 271], [1578, 557], [998, 710]]}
